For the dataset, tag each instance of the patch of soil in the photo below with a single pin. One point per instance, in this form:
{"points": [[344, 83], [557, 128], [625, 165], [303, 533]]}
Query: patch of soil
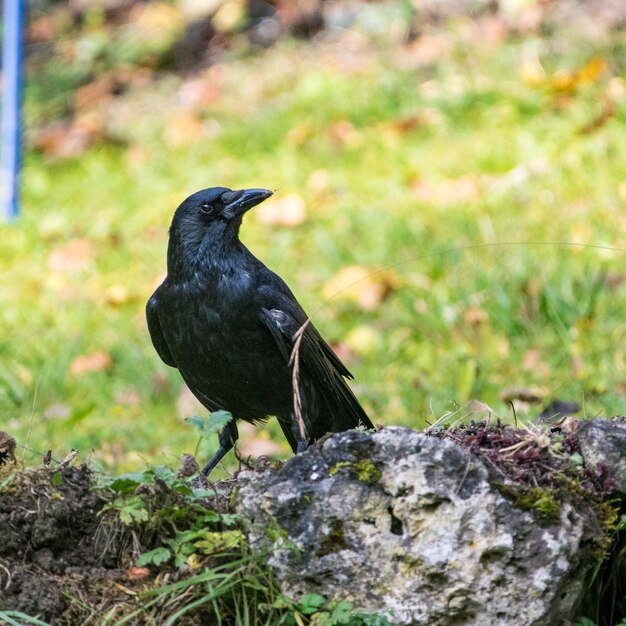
{"points": [[49, 539], [65, 560]]}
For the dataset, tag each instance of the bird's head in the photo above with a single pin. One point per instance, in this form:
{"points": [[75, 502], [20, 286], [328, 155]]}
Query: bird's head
{"points": [[209, 218], [219, 203]]}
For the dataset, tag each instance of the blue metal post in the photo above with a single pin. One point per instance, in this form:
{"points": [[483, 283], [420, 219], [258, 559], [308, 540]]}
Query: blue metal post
{"points": [[12, 20]]}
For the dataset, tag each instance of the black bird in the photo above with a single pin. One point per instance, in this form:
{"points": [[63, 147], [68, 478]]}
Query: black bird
{"points": [[229, 324]]}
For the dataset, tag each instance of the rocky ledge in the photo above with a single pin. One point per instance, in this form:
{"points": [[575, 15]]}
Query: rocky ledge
{"points": [[474, 525]]}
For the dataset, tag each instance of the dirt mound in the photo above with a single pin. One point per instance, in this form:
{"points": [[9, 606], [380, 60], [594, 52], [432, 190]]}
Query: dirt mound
{"points": [[50, 542], [68, 545]]}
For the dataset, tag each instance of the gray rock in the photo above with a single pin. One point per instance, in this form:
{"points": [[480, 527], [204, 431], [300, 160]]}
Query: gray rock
{"points": [[411, 526], [603, 446]]}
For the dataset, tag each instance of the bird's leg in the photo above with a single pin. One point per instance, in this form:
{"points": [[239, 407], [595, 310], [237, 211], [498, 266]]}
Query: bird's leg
{"points": [[227, 439]]}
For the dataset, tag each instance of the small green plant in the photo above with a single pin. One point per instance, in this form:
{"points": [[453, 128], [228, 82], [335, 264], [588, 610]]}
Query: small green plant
{"points": [[315, 610], [17, 618]]}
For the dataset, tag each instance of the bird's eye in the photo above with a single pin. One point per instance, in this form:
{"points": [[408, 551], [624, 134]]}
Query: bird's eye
{"points": [[206, 208]]}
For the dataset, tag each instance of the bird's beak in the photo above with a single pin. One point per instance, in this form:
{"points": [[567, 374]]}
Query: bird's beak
{"points": [[238, 202]]}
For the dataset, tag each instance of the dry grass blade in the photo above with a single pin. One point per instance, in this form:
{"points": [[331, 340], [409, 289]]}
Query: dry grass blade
{"points": [[294, 363]]}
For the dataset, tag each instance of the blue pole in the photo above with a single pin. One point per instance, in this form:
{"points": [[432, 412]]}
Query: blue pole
{"points": [[12, 20]]}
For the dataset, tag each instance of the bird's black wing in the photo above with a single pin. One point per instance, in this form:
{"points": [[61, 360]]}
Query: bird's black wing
{"points": [[156, 332], [322, 373]]}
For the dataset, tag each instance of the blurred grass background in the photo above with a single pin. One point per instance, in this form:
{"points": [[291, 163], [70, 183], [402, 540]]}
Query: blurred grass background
{"points": [[478, 160]]}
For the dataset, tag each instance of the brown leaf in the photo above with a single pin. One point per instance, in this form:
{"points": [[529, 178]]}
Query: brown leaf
{"points": [[92, 93], [155, 20], [41, 29], [363, 285], [116, 295], [62, 140], [318, 181], [287, 211], [344, 133], [199, 93], [475, 317], [128, 396], [94, 362], [429, 49], [300, 134], [137, 573], [183, 129], [524, 394], [568, 81], [71, 257], [229, 16], [450, 191]]}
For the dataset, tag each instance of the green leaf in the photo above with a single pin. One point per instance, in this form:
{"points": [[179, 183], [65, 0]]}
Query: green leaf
{"points": [[310, 603], [341, 612], [128, 482], [212, 424], [197, 421], [132, 510], [56, 479], [576, 459], [323, 618], [157, 557]]}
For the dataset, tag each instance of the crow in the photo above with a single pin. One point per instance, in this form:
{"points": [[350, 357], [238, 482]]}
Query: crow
{"points": [[236, 333]]}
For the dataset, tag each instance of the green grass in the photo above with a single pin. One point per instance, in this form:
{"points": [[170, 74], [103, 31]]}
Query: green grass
{"points": [[476, 309]]}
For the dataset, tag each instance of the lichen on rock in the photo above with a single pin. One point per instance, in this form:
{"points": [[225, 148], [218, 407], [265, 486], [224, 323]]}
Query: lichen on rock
{"points": [[426, 538]]}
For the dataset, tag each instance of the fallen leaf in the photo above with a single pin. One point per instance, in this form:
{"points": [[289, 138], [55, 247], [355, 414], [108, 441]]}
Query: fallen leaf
{"points": [[230, 15], [94, 92], [568, 81], [447, 191], [344, 133], [300, 134], [363, 285], [71, 257], [318, 181], [137, 573], [183, 129], [63, 140], [41, 29], [475, 317], [199, 93], [287, 211], [194, 10], [530, 395], [155, 20], [429, 49], [87, 363], [362, 339], [116, 295], [128, 396]]}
